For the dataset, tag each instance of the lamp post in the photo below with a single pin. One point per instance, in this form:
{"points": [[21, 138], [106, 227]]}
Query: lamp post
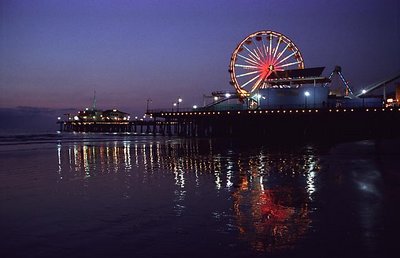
{"points": [[174, 104], [306, 95], [147, 106], [363, 96], [179, 101]]}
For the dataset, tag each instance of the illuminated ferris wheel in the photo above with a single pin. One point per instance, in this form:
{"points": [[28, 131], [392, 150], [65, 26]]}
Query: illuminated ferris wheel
{"points": [[258, 56]]}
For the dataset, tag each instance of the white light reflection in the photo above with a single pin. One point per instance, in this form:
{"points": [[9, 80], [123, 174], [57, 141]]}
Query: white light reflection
{"points": [[86, 161], [217, 172], [229, 167], [311, 177], [76, 158], [136, 155], [59, 160], [179, 177], [261, 184], [115, 156], [127, 155], [217, 180]]}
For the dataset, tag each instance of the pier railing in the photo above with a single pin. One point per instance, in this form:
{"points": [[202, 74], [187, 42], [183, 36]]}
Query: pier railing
{"points": [[267, 107]]}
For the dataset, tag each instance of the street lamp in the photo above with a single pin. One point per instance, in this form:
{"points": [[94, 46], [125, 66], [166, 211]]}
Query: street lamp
{"points": [[147, 106], [306, 95], [179, 101], [174, 104], [194, 106], [363, 96]]}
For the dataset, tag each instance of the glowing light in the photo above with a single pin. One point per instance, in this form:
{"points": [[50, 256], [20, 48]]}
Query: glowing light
{"points": [[306, 93], [58, 118], [363, 91], [76, 118], [114, 110], [194, 106], [215, 98], [175, 104], [227, 95], [179, 100]]}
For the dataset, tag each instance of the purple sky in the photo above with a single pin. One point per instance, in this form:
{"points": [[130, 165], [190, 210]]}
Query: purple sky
{"points": [[53, 54]]}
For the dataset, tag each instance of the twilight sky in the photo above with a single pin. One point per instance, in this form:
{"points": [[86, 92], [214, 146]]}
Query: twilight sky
{"points": [[53, 54]]}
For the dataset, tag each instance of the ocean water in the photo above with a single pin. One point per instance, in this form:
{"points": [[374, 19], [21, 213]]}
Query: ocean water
{"points": [[122, 195]]}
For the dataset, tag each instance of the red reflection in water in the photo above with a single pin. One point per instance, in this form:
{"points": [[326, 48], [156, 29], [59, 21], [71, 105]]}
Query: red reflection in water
{"points": [[270, 219]]}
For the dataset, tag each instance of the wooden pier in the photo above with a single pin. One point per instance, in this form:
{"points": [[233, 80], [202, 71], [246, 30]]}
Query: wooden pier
{"points": [[270, 123]]}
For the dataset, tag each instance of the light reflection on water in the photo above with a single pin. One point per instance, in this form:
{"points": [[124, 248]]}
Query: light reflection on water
{"points": [[125, 195], [270, 191]]}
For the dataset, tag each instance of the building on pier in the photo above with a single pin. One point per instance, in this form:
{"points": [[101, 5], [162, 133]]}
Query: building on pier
{"points": [[96, 120]]}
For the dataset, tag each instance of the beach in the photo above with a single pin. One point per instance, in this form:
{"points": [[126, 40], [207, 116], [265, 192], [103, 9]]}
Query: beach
{"points": [[141, 196]]}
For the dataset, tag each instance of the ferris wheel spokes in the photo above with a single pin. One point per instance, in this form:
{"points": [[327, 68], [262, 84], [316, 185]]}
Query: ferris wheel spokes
{"points": [[265, 52], [247, 66], [277, 47], [244, 85], [245, 74], [248, 60], [292, 54], [289, 64]]}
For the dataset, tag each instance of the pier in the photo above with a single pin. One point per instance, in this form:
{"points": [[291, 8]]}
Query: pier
{"points": [[275, 97], [268, 123]]}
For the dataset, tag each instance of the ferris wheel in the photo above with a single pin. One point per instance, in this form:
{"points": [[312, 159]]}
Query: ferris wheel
{"points": [[258, 56]]}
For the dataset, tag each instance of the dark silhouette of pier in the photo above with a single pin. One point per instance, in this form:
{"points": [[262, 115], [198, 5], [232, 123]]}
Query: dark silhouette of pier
{"points": [[278, 124]]}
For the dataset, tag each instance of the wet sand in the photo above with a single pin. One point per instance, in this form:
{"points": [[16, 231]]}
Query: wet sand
{"points": [[154, 197]]}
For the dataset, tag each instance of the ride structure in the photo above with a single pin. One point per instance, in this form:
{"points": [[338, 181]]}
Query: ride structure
{"points": [[337, 90], [258, 56]]}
